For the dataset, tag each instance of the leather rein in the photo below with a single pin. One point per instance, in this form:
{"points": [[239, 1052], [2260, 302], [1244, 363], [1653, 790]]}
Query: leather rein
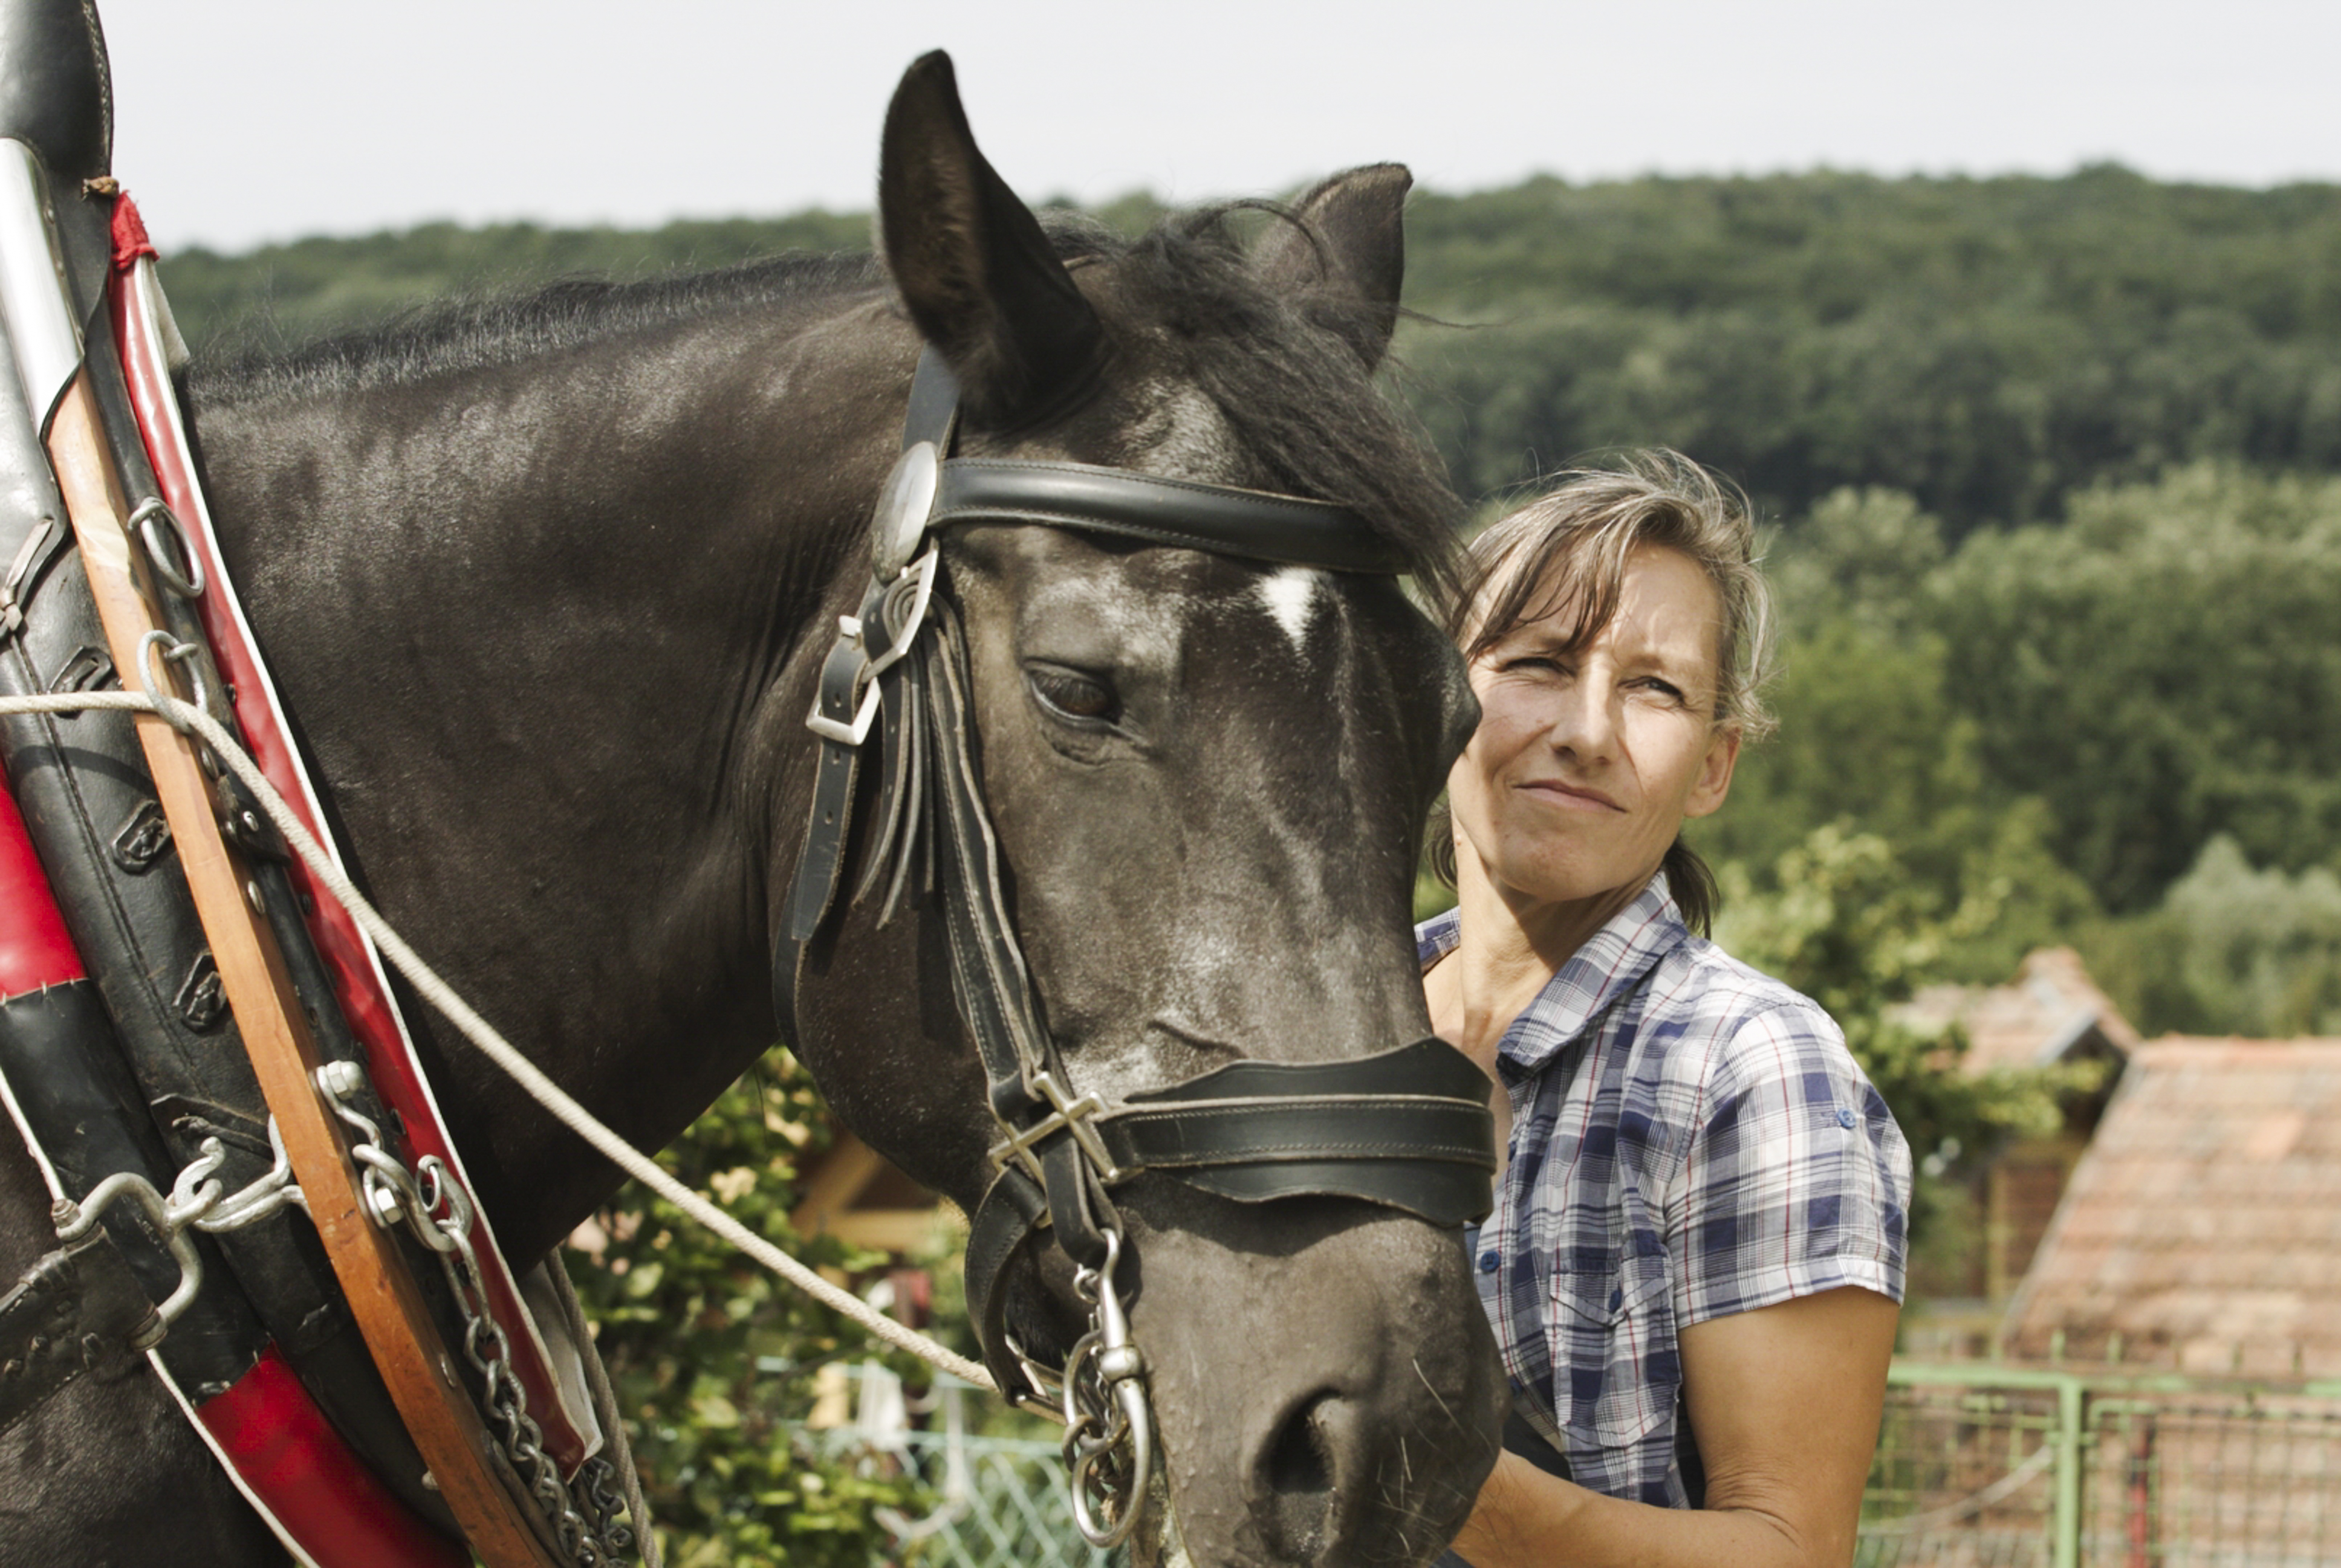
{"points": [[1407, 1128]]}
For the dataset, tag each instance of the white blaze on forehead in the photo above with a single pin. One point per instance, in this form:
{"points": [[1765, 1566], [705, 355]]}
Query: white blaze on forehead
{"points": [[1290, 594]]}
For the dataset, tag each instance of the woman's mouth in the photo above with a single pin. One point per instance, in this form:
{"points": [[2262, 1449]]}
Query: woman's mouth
{"points": [[1576, 796]]}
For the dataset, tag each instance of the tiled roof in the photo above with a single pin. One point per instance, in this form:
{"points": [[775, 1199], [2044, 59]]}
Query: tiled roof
{"points": [[2204, 1223], [2049, 1008]]}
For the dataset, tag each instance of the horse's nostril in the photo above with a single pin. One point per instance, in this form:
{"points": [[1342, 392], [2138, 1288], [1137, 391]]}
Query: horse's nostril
{"points": [[1294, 1503]]}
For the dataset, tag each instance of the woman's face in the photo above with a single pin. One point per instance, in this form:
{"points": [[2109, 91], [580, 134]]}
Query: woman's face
{"points": [[1585, 764]]}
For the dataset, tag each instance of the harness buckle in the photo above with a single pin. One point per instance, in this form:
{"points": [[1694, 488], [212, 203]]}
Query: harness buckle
{"points": [[849, 677], [1068, 1115]]}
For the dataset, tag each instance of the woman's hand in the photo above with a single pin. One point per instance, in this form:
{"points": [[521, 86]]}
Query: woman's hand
{"points": [[1785, 1403]]}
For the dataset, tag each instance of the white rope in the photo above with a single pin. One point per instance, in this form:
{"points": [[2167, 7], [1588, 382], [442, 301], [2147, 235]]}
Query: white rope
{"points": [[184, 715]]}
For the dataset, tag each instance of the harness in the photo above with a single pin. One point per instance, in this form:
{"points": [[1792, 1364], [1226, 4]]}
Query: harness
{"points": [[152, 916], [153, 913], [1408, 1128]]}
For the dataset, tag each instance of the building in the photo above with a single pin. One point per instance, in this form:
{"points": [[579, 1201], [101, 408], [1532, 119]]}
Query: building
{"points": [[2202, 1229], [2050, 1015]]}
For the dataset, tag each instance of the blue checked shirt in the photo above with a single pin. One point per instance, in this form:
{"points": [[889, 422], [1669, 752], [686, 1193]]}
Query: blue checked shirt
{"points": [[1689, 1139]]}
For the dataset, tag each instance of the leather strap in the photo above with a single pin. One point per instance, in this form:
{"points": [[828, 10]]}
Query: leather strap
{"points": [[1257, 1131], [1408, 1129], [419, 1368], [1221, 520], [77, 1310]]}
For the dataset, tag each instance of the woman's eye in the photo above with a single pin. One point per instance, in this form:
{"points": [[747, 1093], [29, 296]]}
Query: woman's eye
{"points": [[1073, 695]]}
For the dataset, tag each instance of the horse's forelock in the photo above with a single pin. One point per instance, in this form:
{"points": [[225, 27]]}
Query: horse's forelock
{"points": [[1289, 385]]}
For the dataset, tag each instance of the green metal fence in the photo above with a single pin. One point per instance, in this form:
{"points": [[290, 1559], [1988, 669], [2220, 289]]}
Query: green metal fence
{"points": [[1984, 1464], [1979, 1465]]}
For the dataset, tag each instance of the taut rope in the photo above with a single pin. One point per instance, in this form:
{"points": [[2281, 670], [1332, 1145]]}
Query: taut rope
{"points": [[188, 719]]}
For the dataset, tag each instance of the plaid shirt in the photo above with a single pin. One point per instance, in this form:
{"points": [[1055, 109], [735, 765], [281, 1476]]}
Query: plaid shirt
{"points": [[1689, 1139]]}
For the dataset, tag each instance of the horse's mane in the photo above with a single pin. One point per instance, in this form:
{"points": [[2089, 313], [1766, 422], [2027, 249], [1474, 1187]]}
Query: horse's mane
{"points": [[474, 333], [1276, 366]]}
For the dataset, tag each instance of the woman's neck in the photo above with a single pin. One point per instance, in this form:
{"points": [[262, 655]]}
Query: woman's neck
{"points": [[1509, 946]]}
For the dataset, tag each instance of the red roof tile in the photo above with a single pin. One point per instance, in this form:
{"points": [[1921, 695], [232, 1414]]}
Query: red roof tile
{"points": [[2051, 1008], [2201, 1218]]}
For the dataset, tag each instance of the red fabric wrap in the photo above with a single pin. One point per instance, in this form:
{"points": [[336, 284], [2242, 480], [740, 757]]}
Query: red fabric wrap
{"points": [[130, 240], [34, 949], [298, 1467]]}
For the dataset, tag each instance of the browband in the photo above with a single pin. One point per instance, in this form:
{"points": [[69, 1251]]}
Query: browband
{"points": [[1219, 519]]}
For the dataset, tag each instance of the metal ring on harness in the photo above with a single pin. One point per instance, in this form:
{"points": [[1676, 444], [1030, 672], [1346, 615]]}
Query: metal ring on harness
{"points": [[187, 583], [178, 652]]}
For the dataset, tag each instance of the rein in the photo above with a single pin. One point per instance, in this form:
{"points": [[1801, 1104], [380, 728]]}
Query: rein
{"points": [[1408, 1128]]}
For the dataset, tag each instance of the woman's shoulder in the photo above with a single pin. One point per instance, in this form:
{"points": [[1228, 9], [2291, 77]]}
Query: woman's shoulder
{"points": [[1739, 1022]]}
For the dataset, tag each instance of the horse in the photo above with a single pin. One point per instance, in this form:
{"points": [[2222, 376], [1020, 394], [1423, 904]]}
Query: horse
{"points": [[547, 585]]}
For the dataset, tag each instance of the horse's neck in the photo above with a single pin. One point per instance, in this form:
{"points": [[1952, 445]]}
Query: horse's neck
{"points": [[528, 622]]}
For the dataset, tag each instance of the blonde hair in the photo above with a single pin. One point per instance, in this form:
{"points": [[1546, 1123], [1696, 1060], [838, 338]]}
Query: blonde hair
{"points": [[1566, 553]]}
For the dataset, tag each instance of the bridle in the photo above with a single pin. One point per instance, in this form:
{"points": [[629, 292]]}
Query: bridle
{"points": [[1407, 1128]]}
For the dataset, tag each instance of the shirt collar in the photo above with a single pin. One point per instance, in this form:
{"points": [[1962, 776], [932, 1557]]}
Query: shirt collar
{"points": [[1611, 963]]}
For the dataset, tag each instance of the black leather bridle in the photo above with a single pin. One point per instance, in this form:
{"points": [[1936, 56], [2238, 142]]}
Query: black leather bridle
{"points": [[1406, 1129]]}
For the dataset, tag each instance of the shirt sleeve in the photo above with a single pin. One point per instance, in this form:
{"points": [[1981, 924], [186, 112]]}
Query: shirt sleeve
{"points": [[1796, 1179]]}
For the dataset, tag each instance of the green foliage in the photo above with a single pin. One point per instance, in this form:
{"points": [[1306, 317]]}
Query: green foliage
{"points": [[2164, 666], [1986, 345], [2231, 950], [1875, 739], [714, 1360], [282, 295], [1843, 922]]}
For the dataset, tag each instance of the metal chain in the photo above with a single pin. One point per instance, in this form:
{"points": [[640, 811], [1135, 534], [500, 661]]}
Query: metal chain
{"points": [[435, 1208], [1109, 1445]]}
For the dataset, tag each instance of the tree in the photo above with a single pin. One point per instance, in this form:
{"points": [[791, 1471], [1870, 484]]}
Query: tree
{"points": [[1844, 923], [2231, 949], [2163, 668], [714, 1360]]}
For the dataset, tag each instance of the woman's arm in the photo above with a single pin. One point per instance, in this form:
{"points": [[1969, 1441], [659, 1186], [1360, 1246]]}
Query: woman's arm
{"points": [[1784, 1402]]}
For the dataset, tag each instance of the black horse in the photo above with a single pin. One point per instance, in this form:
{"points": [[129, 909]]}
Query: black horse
{"points": [[546, 587]]}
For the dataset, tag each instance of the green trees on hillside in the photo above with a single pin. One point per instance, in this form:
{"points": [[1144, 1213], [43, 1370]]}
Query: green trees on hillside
{"points": [[1984, 344]]}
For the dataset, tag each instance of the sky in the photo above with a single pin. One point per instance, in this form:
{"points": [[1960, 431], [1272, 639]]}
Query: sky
{"points": [[243, 122]]}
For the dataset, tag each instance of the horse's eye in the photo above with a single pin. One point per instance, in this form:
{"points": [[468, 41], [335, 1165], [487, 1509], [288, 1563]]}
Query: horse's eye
{"points": [[1070, 694]]}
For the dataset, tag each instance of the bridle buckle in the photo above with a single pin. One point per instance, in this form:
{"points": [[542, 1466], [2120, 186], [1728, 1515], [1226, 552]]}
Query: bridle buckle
{"points": [[1067, 1115]]}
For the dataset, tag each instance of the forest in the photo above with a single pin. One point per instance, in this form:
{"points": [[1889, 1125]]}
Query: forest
{"points": [[2051, 468]]}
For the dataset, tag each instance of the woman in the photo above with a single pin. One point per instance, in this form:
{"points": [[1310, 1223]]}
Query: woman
{"points": [[1696, 1259]]}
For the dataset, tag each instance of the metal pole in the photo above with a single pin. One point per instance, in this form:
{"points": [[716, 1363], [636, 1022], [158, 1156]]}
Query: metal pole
{"points": [[2068, 1546]]}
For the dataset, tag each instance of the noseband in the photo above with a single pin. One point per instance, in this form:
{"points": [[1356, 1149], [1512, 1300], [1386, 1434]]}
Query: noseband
{"points": [[1406, 1129]]}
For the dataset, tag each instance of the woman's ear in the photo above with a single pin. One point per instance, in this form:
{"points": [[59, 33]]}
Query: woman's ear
{"points": [[1715, 771]]}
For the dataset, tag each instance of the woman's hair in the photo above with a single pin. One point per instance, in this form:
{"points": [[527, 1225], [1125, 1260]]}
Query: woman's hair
{"points": [[1565, 552]]}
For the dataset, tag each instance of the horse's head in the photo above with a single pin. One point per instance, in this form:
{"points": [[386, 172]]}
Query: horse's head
{"points": [[1205, 773]]}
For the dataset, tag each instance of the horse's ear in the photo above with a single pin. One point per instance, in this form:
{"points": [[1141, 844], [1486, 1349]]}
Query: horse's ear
{"points": [[1349, 252], [978, 276]]}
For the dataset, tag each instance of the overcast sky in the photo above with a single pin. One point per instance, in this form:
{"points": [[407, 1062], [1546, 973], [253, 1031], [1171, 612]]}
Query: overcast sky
{"points": [[240, 122]]}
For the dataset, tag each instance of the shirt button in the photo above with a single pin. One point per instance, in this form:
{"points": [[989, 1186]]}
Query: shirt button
{"points": [[1846, 1119], [1616, 1298], [1488, 1263]]}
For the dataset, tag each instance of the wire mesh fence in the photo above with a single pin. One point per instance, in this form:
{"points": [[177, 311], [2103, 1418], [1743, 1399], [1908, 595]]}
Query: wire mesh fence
{"points": [[1988, 1465], [1979, 1465], [2211, 1483], [1963, 1477]]}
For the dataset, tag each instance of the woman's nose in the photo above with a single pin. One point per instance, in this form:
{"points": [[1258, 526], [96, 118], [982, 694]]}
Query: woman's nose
{"points": [[1585, 718]]}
